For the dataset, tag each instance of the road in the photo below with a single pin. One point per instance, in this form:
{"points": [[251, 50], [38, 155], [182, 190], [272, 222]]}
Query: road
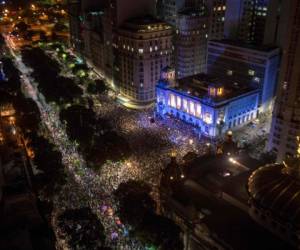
{"points": [[99, 200]]}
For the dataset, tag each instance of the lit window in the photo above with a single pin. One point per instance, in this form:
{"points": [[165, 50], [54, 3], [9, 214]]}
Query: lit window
{"points": [[155, 48], [185, 105], [219, 8], [178, 103], [206, 35], [251, 72], [141, 51], [173, 102], [256, 79], [220, 91], [224, 7], [192, 108], [229, 72], [198, 110], [150, 49], [207, 118]]}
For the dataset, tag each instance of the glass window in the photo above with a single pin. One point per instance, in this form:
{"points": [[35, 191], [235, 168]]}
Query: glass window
{"points": [[198, 110], [207, 118], [192, 108], [229, 72], [178, 103], [251, 72], [173, 102], [185, 105]]}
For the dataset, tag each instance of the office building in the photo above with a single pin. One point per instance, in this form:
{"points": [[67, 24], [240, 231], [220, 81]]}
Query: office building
{"points": [[191, 42], [286, 115], [168, 10], [74, 9], [210, 105], [217, 13], [242, 63], [253, 21], [143, 48]]}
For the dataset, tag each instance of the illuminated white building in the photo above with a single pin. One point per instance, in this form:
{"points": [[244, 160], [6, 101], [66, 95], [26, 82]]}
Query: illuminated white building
{"points": [[212, 107]]}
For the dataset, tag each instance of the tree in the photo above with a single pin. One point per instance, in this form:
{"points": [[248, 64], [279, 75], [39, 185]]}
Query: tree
{"points": [[134, 202], [83, 228], [27, 113], [21, 27], [137, 209], [159, 231], [49, 161]]}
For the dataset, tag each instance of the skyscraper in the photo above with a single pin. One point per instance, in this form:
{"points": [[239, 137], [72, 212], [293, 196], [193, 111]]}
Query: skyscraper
{"points": [[286, 116], [191, 42], [253, 21], [217, 11]]}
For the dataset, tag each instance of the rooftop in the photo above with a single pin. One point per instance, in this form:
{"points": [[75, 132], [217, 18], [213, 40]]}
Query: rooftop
{"points": [[242, 44], [145, 24], [197, 86], [226, 224], [192, 12]]}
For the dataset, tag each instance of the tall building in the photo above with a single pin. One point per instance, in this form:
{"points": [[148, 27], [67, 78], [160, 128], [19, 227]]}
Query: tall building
{"points": [[286, 116], [242, 63], [74, 10], [94, 25], [234, 10], [143, 48], [168, 10], [122, 10], [277, 21], [191, 42], [217, 13], [253, 21]]}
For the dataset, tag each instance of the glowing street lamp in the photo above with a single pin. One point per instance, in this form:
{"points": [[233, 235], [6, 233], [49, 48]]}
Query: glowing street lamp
{"points": [[232, 160]]}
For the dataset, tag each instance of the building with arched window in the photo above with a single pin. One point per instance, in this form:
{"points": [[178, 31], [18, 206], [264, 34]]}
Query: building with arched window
{"points": [[210, 105]]}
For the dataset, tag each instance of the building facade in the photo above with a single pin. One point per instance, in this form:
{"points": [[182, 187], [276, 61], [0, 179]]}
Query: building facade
{"points": [[217, 12], [211, 107], [253, 21], [143, 48], [286, 115], [191, 42], [240, 63], [74, 10]]}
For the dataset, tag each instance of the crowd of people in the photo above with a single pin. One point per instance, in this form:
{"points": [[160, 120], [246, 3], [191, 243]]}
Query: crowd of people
{"points": [[152, 139]]}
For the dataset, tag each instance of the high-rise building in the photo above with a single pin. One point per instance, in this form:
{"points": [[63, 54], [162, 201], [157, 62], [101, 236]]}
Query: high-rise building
{"points": [[286, 116], [217, 13], [191, 42], [276, 22], [93, 28], [74, 10], [143, 48], [168, 10], [124, 10], [242, 63], [253, 21]]}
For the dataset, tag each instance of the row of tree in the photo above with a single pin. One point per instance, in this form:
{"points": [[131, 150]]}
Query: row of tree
{"points": [[137, 210], [97, 140], [55, 88]]}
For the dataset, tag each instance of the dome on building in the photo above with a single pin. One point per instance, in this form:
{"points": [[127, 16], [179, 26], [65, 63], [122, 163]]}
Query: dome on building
{"points": [[276, 189]]}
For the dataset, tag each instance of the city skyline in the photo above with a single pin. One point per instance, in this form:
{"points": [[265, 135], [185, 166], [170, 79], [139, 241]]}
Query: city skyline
{"points": [[150, 124]]}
